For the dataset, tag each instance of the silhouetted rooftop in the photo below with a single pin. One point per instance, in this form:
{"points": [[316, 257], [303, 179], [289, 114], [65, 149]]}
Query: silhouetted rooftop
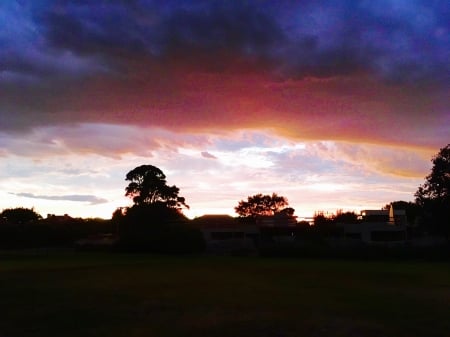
{"points": [[215, 220]]}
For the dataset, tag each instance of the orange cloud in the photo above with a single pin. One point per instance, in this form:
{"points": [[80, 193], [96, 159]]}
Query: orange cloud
{"points": [[341, 108]]}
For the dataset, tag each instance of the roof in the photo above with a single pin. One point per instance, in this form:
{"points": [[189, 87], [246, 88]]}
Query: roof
{"points": [[215, 220], [368, 212]]}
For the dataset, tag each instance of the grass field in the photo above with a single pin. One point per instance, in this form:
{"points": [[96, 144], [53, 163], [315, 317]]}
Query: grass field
{"points": [[71, 294]]}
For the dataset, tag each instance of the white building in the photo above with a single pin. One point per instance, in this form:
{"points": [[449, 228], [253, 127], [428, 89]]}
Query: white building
{"points": [[378, 227]]}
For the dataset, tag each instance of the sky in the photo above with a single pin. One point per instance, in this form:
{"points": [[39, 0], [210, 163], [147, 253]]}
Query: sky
{"points": [[334, 104]]}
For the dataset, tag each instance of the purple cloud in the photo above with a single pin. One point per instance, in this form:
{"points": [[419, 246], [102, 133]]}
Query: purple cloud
{"points": [[208, 155], [92, 199]]}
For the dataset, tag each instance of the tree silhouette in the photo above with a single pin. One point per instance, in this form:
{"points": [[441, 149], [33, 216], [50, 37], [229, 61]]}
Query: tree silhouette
{"points": [[434, 194], [345, 217], [148, 186], [322, 219], [20, 215], [260, 204], [437, 184], [155, 222]]}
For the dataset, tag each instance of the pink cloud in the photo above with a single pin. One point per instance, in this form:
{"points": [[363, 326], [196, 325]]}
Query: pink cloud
{"points": [[179, 97]]}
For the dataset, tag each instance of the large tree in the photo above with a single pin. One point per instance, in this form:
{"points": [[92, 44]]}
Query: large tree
{"points": [[148, 186], [260, 204], [434, 194], [155, 222]]}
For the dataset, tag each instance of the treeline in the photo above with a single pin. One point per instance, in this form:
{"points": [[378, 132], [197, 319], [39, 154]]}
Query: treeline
{"points": [[24, 228], [151, 228], [158, 229]]}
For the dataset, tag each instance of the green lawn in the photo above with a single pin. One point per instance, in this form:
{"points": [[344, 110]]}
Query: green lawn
{"points": [[127, 295]]}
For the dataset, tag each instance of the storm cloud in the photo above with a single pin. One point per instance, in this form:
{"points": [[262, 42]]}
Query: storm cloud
{"points": [[399, 41]]}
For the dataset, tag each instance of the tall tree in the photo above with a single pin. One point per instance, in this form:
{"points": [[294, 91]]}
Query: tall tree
{"points": [[155, 222], [434, 194], [148, 186], [437, 183], [260, 204]]}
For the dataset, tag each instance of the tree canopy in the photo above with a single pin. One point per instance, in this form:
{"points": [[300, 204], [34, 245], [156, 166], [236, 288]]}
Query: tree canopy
{"points": [[20, 215], [260, 204], [322, 218], [148, 186], [437, 183], [434, 195], [155, 222]]}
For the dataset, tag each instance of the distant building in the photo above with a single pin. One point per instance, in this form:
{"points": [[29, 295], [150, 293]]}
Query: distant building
{"points": [[280, 227], [224, 234], [59, 218], [378, 227], [372, 216], [277, 220], [391, 216]]}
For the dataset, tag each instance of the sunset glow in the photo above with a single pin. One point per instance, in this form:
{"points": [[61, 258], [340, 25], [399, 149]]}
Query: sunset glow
{"points": [[333, 104]]}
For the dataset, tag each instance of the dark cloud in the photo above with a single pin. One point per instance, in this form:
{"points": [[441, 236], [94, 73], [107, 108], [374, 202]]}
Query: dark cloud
{"points": [[198, 33], [92, 199], [398, 41]]}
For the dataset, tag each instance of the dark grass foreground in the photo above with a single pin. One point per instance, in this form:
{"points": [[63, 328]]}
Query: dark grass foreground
{"points": [[127, 295]]}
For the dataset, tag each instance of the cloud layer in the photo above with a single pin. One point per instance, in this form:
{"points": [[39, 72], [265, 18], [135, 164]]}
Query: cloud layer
{"points": [[313, 175], [400, 41], [314, 70], [92, 199]]}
